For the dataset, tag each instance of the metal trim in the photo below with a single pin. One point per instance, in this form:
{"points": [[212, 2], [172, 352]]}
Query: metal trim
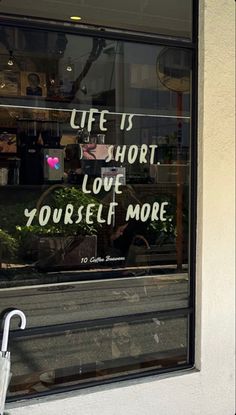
{"points": [[76, 325], [102, 32], [194, 185], [92, 384]]}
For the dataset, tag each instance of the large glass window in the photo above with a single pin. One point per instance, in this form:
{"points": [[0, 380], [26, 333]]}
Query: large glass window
{"points": [[95, 160]]}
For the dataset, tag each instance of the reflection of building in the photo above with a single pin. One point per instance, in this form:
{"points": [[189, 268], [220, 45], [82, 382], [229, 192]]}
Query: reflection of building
{"points": [[105, 327]]}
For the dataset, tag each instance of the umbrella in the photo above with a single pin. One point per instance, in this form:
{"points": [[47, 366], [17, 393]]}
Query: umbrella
{"points": [[5, 364]]}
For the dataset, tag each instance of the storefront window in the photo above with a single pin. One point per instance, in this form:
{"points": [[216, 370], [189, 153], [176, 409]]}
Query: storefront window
{"points": [[95, 158]]}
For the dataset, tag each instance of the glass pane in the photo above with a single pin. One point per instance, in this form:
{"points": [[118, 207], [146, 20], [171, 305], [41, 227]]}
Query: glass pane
{"points": [[97, 353], [94, 202], [167, 17], [94, 158], [57, 304]]}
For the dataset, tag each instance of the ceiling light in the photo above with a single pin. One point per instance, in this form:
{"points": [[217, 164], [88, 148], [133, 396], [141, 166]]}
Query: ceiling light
{"points": [[75, 18], [69, 66], [10, 60]]}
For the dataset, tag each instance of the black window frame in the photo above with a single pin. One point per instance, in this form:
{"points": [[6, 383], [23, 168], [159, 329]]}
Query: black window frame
{"points": [[124, 35]]}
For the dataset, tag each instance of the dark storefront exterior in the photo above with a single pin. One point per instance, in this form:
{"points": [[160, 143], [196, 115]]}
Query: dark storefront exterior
{"points": [[97, 190]]}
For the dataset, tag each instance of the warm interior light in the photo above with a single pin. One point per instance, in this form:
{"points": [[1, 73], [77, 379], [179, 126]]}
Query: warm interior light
{"points": [[10, 60], [69, 67], [76, 18]]}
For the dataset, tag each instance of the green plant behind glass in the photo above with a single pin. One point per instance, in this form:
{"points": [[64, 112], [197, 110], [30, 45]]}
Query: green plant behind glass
{"points": [[60, 199], [8, 246]]}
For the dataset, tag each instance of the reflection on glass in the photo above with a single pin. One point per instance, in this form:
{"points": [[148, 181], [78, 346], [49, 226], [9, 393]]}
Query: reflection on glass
{"points": [[96, 353], [164, 17], [91, 300], [100, 165]]}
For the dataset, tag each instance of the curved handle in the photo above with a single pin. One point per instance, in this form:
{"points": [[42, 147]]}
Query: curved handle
{"points": [[6, 326]]}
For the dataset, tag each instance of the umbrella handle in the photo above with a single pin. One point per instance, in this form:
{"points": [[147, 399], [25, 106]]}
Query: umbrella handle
{"points": [[6, 327]]}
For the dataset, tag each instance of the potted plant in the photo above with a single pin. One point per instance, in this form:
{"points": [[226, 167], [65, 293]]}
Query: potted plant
{"points": [[8, 247], [60, 245]]}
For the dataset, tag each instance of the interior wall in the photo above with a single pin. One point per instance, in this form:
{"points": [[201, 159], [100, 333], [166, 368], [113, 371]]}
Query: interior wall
{"points": [[209, 391]]}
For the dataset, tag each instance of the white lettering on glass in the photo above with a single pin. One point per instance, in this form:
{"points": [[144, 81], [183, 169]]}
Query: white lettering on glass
{"points": [[96, 213], [101, 183], [146, 211], [30, 215], [142, 154], [126, 119], [44, 215]]}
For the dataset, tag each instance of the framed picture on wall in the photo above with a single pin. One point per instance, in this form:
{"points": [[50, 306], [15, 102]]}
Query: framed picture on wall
{"points": [[9, 83], [33, 84], [8, 141]]}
